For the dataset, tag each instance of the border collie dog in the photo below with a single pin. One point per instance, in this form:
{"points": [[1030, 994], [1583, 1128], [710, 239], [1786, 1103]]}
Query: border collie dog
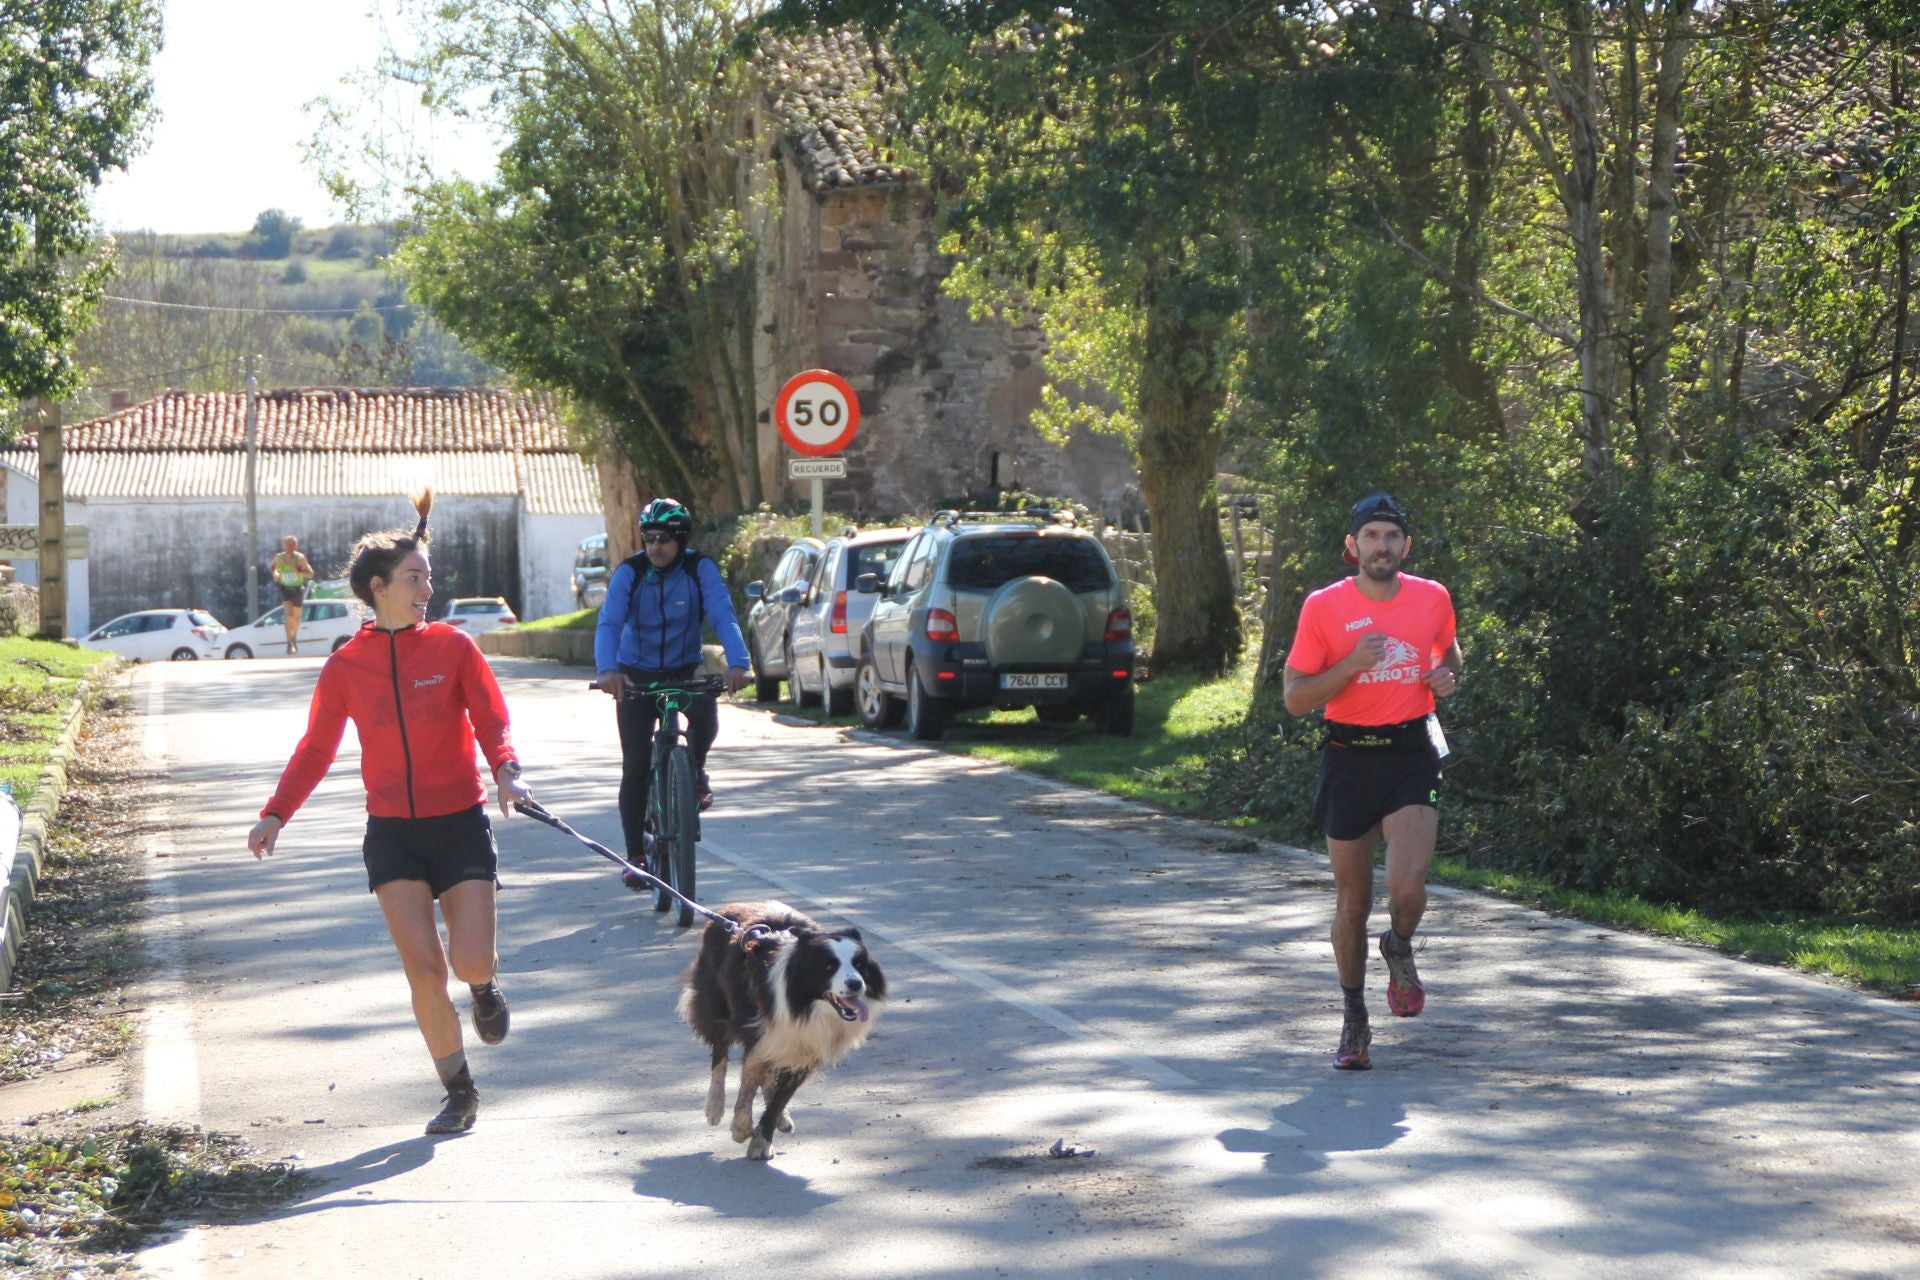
{"points": [[795, 997]]}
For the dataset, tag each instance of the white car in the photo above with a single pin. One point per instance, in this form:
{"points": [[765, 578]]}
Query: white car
{"points": [[155, 635], [477, 615], [325, 625]]}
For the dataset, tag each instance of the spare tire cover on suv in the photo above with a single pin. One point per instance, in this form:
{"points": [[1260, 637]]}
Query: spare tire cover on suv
{"points": [[1033, 620]]}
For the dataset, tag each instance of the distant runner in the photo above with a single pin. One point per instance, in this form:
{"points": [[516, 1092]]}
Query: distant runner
{"points": [[1375, 650], [291, 573]]}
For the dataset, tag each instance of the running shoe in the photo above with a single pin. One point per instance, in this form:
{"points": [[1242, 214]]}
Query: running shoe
{"points": [[633, 881], [706, 793], [1405, 994], [1356, 1037], [463, 1106], [490, 1016]]}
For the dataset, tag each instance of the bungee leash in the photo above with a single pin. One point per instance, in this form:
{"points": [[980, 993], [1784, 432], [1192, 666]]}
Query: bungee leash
{"points": [[533, 809]]}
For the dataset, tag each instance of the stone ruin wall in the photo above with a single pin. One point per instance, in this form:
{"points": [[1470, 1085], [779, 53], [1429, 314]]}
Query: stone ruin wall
{"points": [[850, 282]]}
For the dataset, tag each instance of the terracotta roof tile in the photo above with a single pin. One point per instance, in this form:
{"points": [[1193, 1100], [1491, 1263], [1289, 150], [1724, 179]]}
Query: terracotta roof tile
{"points": [[828, 91], [369, 420]]}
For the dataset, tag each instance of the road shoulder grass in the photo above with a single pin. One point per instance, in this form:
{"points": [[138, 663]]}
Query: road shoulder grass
{"points": [[1181, 723]]}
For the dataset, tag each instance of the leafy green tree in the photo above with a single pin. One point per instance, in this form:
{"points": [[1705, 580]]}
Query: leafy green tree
{"points": [[1095, 153], [74, 101], [272, 234], [608, 259]]}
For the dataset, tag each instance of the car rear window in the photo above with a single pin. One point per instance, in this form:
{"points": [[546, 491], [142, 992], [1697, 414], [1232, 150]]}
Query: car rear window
{"points": [[985, 564], [878, 557]]}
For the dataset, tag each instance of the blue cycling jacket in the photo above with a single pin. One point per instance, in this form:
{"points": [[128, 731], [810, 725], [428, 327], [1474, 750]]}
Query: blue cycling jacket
{"points": [[652, 620]]}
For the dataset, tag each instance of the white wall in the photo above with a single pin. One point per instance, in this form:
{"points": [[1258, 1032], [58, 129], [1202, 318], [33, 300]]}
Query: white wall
{"points": [[547, 547]]}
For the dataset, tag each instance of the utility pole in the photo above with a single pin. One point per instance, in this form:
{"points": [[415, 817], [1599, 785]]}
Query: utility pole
{"points": [[253, 463], [53, 528]]}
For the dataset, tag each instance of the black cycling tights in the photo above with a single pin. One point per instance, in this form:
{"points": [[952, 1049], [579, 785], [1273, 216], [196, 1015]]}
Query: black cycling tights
{"points": [[638, 718]]}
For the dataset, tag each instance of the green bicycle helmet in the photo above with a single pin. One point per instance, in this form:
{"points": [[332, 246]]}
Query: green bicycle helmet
{"points": [[668, 514]]}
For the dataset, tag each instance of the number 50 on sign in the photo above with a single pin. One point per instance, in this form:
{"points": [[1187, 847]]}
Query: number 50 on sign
{"points": [[817, 413]]}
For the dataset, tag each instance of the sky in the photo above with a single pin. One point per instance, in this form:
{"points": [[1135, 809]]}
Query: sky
{"points": [[231, 84]]}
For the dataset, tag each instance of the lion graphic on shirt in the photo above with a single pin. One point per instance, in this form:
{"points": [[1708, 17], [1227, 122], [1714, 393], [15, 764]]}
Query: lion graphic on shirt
{"points": [[1400, 664]]}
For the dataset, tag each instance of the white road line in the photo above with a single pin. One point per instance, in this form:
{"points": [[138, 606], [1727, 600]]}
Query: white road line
{"points": [[1214, 1110], [170, 1066], [1107, 1047]]}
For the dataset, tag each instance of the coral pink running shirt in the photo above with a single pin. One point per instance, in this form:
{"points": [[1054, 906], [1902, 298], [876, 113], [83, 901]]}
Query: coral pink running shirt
{"points": [[1419, 625]]}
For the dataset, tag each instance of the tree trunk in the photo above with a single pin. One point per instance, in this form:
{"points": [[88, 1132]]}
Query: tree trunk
{"points": [[1580, 193], [1661, 169], [621, 497], [1181, 394]]}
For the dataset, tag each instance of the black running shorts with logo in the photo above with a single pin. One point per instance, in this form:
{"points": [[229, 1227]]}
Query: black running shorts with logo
{"points": [[1359, 786], [442, 851]]}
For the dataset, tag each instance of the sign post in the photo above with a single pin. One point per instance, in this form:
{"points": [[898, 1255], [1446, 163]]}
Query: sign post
{"points": [[817, 413]]}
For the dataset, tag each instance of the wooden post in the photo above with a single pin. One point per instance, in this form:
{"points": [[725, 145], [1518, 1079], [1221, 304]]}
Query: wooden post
{"points": [[253, 490], [53, 529]]}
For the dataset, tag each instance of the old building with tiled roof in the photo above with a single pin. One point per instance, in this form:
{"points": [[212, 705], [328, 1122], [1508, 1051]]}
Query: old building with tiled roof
{"points": [[849, 280], [161, 487]]}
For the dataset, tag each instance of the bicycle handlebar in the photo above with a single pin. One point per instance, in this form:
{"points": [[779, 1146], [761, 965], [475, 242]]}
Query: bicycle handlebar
{"points": [[696, 685]]}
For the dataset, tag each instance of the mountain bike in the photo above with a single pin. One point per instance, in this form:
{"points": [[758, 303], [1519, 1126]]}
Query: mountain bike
{"points": [[673, 805]]}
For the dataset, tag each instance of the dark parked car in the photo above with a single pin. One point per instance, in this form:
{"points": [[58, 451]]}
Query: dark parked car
{"points": [[1011, 611], [769, 643]]}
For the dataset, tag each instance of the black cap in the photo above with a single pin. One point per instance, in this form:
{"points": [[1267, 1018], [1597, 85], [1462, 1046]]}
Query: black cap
{"points": [[1375, 506]]}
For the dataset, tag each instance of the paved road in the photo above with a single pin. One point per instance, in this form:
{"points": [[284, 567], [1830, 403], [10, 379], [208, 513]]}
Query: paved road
{"points": [[1574, 1102]]}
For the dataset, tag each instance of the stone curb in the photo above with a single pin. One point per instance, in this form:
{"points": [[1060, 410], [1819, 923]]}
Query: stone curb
{"points": [[572, 647], [22, 866]]}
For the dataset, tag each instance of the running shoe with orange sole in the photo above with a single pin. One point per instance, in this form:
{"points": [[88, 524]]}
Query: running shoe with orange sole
{"points": [[1405, 994]]}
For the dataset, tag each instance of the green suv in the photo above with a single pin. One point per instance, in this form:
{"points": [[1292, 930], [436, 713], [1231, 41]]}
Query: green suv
{"points": [[986, 609]]}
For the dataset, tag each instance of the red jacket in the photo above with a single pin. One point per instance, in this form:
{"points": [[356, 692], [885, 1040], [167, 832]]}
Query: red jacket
{"points": [[419, 699]]}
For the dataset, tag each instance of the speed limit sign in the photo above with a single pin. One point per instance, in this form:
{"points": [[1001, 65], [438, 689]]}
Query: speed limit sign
{"points": [[817, 412]]}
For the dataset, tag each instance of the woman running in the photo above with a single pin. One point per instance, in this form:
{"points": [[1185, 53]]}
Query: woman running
{"points": [[420, 695]]}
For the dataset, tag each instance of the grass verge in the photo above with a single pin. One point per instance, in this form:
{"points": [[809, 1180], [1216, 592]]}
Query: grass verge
{"points": [[39, 685], [1181, 722], [583, 620]]}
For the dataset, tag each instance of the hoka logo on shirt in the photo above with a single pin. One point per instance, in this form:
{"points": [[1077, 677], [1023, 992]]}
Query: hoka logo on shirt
{"points": [[1358, 623], [428, 682], [1401, 665]]}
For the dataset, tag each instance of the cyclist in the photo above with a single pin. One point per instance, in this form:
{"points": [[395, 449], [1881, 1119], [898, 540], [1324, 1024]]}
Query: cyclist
{"points": [[421, 698], [650, 626], [1375, 650]]}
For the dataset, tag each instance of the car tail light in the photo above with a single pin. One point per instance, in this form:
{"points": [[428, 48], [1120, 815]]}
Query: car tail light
{"points": [[455, 622], [946, 675], [1120, 624], [1121, 674], [506, 615], [837, 620], [942, 627], [203, 633]]}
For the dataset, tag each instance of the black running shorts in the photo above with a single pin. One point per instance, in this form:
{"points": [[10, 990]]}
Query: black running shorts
{"points": [[443, 851], [294, 595], [1359, 786]]}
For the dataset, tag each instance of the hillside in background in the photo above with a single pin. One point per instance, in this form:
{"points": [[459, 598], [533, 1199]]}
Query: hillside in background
{"points": [[318, 306]]}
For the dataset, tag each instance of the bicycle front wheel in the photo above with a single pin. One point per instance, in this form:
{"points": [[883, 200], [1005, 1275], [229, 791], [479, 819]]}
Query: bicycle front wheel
{"points": [[684, 807]]}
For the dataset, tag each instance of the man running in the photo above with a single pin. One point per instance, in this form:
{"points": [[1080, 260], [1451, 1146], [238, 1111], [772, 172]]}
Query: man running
{"points": [[291, 574], [1375, 650]]}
